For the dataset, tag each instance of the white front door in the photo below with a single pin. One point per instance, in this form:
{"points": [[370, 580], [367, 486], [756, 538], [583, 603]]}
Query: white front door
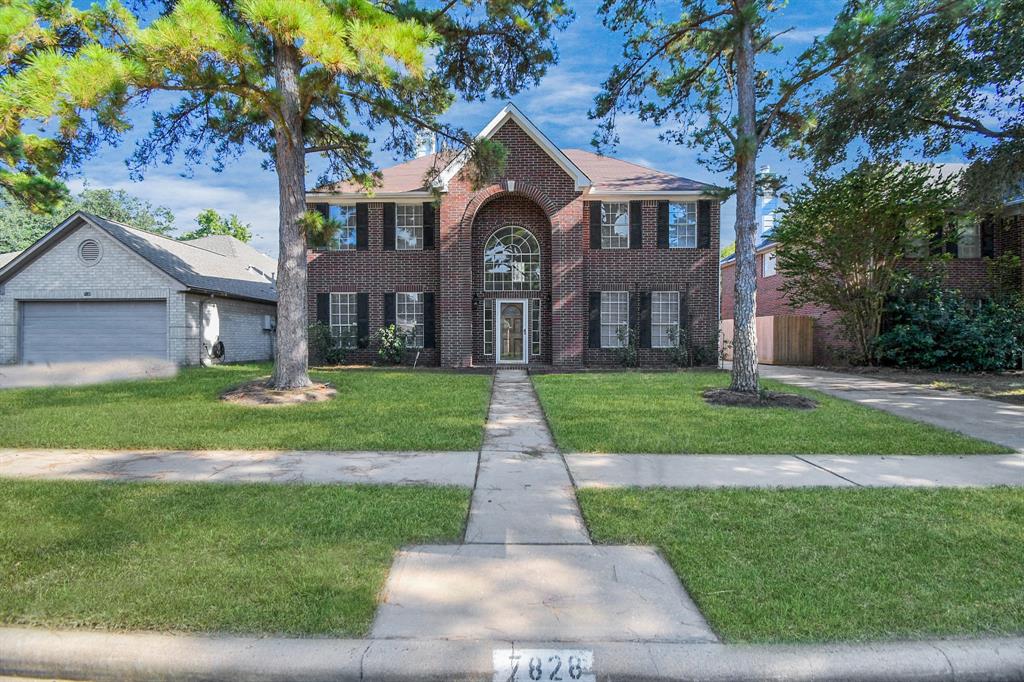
{"points": [[513, 329]]}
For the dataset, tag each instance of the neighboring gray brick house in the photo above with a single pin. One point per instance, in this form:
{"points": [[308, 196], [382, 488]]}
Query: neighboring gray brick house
{"points": [[94, 289], [543, 265]]}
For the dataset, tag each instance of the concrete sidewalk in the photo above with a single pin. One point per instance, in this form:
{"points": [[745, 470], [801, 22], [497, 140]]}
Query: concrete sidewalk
{"points": [[106, 656], [795, 471], [989, 420], [227, 466]]}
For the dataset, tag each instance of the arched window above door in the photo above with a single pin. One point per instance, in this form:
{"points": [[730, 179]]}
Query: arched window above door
{"points": [[512, 260]]}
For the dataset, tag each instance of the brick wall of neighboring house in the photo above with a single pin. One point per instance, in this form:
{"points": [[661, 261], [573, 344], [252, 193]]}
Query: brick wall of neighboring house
{"points": [[970, 275], [535, 193]]}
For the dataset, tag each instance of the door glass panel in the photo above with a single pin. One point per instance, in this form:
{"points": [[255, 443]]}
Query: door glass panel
{"points": [[512, 332]]}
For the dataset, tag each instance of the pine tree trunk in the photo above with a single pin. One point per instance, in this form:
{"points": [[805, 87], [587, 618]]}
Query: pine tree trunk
{"points": [[291, 364], [744, 350]]}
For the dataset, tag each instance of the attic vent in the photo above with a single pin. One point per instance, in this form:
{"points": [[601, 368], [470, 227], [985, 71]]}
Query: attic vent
{"points": [[89, 252]]}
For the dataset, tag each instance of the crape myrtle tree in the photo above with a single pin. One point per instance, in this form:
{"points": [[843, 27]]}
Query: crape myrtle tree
{"points": [[299, 77], [842, 240], [952, 79], [710, 71]]}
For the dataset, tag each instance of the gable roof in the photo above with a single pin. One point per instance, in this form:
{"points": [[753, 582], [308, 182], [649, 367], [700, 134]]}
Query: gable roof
{"points": [[592, 173], [198, 269], [763, 244]]}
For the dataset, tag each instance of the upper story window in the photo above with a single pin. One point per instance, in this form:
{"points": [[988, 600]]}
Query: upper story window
{"points": [[614, 225], [345, 237], [409, 227], [682, 225], [969, 242], [512, 260], [768, 263]]}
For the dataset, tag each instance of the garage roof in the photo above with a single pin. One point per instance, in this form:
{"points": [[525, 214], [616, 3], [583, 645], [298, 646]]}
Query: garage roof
{"points": [[205, 267]]}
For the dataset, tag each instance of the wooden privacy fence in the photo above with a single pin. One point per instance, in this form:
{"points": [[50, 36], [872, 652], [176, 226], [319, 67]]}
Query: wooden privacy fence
{"points": [[781, 339]]}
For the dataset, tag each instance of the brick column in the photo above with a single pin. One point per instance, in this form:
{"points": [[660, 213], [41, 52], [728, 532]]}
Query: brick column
{"points": [[455, 291], [568, 299]]}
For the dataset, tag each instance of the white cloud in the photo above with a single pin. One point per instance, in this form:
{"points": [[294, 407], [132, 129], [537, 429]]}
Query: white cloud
{"points": [[187, 197]]}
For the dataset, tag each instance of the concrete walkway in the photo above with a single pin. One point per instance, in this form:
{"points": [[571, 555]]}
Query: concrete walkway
{"points": [[795, 471], [409, 468], [989, 420], [528, 570]]}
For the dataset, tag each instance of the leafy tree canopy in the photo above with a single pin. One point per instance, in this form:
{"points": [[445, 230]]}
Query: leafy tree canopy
{"points": [[212, 223], [842, 240], [951, 78], [20, 226]]}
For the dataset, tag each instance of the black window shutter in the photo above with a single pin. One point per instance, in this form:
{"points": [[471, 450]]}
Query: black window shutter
{"points": [[684, 316], [703, 224], [323, 308], [988, 238], [662, 224], [389, 227], [362, 227], [636, 225], [645, 319], [594, 333], [428, 227], [595, 224], [363, 320], [951, 239], [389, 309], [429, 320]]}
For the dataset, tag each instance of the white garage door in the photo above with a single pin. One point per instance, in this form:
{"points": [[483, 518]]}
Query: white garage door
{"points": [[82, 331]]}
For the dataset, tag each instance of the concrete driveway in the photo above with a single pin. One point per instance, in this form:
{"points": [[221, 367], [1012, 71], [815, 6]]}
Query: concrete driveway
{"points": [[83, 373]]}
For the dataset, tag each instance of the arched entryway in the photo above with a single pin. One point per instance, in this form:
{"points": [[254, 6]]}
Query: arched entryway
{"points": [[511, 282]]}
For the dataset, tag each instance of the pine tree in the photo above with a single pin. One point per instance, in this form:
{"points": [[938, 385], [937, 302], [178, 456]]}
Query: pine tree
{"points": [[300, 77]]}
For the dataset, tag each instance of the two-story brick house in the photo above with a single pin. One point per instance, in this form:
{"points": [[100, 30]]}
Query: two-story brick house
{"points": [[544, 265]]}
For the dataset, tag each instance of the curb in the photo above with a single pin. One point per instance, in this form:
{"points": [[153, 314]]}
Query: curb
{"points": [[98, 656]]}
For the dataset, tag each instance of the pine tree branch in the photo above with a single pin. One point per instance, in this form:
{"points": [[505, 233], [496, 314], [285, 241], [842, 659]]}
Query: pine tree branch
{"points": [[969, 124]]}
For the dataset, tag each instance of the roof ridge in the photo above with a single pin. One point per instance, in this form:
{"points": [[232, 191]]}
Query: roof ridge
{"points": [[157, 234]]}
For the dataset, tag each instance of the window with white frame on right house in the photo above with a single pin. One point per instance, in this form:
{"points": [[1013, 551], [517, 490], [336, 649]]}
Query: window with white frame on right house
{"points": [[682, 225], [614, 225], [614, 318], [345, 238], [768, 263], [409, 317], [969, 239]]}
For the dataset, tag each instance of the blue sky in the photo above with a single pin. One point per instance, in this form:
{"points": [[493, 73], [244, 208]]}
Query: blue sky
{"points": [[558, 106]]}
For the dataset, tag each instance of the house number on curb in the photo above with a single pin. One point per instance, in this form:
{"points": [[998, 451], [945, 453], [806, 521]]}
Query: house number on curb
{"points": [[550, 665]]}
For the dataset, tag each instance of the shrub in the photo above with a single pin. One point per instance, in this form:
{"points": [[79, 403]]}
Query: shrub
{"points": [[391, 342], [627, 354], [324, 347], [929, 327], [677, 353]]}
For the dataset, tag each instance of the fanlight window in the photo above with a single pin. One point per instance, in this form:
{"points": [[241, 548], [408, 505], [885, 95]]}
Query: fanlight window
{"points": [[512, 261]]}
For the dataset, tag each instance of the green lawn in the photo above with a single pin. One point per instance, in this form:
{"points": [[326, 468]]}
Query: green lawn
{"points": [[632, 412], [374, 410], [821, 565], [242, 558]]}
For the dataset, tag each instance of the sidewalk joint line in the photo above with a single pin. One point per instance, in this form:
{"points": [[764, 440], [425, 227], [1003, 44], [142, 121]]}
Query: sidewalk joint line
{"points": [[827, 470]]}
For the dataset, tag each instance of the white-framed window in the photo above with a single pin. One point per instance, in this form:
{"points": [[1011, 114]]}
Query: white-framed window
{"points": [[614, 225], [535, 327], [769, 263], [489, 327], [344, 317], [614, 317], [919, 244], [409, 227], [512, 260], [345, 237], [969, 240], [409, 316], [664, 319], [682, 225]]}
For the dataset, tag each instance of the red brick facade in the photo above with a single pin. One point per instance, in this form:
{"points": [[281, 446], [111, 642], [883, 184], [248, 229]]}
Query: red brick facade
{"points": [[970, 275], [535, 193]]}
